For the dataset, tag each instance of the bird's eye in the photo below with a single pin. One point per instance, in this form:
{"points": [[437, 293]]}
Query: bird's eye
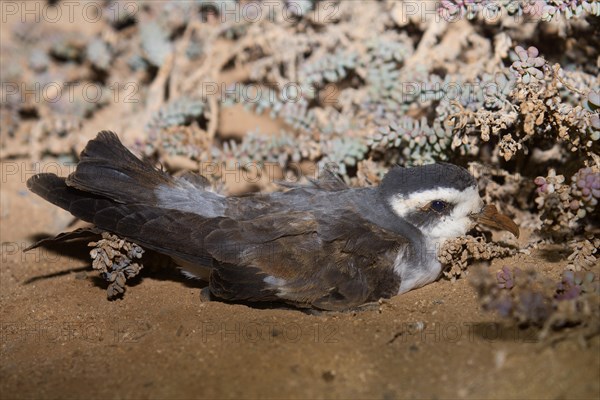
{"points": [[438, 205]]}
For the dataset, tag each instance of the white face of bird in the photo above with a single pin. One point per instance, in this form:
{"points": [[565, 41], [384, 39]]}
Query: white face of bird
{"points": [[439, 213], [443, 213]]}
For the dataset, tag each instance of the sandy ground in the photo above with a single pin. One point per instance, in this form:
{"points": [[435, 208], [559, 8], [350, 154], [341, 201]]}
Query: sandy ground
{"points": [[61, 338]]}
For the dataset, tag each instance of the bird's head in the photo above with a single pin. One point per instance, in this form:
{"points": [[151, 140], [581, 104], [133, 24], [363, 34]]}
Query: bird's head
{"points": [[441, 200]]}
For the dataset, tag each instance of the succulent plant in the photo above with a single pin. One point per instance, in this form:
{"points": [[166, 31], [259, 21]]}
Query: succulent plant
{"points": [[574, 283], [299, 7], [344, 152], [99, 53], [505, 278], [39, 60], [527, 67], [530, 299], [114, 258], [180, 111], [155, 43], [546, 9], [418, 142], [68, 47], [593, 100], [288, 106], [329, 68], [120, 14], [569, 8], [585, 189]]}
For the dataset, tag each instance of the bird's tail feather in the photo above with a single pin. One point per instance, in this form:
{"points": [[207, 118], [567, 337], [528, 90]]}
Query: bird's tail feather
{"points": [[109, 169], [171, 232]]}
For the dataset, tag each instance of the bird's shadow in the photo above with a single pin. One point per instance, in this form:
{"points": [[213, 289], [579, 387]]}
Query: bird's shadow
{"points": [[67, 250], [80, 251], [156, 267], [554, 253]]}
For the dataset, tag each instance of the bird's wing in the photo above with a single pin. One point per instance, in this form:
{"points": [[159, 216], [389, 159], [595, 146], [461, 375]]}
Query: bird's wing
{"points": [[326, 261]]}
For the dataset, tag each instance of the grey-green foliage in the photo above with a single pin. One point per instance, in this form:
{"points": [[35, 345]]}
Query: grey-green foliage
{"points": [[299, 7], [195, 48], [382, 79], [218, 5], [392, 87], [137, 63], [120, 13], [593, 100], [328, 68], [495, 90], [344, 152], [66, 47], [488, 91], [155, 43], [397, 89], [592, 104], [227, 9], [180, 111], [547, 9], [388, 47], [286, 104], [99, 53], [418, 142], [383, 63], [39, 60], [260, 148]]}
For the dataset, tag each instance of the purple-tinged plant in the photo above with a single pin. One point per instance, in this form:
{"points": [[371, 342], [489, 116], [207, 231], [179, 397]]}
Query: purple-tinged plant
{"points": [[585, 188], [570, 8], [574, 283], [549, 184], [533, 307], [506, 278], [528, 64]]}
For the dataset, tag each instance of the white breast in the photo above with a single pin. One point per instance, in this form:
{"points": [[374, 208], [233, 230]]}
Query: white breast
{"points": [[419, 269]]}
